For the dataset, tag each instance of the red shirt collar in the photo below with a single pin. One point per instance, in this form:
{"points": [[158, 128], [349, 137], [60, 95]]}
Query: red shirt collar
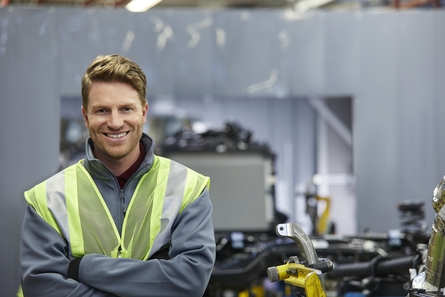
{"points": [[123, 178]]}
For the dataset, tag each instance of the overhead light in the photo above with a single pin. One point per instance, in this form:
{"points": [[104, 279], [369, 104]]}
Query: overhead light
{"points": [[305, 5], [141, 5]]}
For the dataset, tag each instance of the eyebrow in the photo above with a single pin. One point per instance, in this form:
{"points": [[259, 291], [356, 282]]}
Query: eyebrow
{"points": [[107, 106]]}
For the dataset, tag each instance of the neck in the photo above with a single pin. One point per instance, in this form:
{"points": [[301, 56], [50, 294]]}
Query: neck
{"points": [[118, 166]]}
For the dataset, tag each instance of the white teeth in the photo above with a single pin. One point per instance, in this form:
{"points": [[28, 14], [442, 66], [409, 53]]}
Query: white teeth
{"points": [[116, 135]]}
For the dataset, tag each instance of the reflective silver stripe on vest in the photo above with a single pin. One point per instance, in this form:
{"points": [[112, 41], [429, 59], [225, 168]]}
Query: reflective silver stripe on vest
{"points": [[175, 187], [55, 197]]}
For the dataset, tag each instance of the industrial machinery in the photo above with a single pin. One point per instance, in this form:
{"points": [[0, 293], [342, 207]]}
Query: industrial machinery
{"points": [[365, 265], [305, 274], [381, 275], [401, 262], [242, 173], [424, 266]]}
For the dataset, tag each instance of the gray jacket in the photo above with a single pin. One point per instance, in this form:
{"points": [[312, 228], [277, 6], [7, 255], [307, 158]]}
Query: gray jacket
{"points": [[45, 255]]}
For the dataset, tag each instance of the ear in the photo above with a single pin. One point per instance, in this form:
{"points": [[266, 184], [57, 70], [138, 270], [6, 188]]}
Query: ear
{"points": [[85, 116], [144, 112]]}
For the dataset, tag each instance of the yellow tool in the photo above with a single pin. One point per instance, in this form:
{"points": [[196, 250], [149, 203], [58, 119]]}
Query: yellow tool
{"points": [[304, 275]]}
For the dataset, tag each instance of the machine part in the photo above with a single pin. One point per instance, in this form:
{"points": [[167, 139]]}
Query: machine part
{"points": [[435, 268], [300, 276], [377, 267], [322, 226], [432, 279], [412, 217], [419, 293], [295, 273], [297, 234], [439, 198]]}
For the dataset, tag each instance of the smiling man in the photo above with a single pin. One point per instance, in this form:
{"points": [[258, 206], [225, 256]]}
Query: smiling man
{"points": [[115, 117], [123, 221]]}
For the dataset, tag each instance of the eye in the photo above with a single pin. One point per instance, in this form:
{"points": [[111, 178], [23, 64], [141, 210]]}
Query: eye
{"points": [[102, 111], [126, 109]]}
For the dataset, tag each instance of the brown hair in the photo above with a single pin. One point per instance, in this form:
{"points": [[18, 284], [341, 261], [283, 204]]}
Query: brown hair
{"points": [[114, 68]]}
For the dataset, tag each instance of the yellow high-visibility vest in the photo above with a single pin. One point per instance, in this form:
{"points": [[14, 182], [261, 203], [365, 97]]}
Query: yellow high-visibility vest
{"points": [[71, 203]]}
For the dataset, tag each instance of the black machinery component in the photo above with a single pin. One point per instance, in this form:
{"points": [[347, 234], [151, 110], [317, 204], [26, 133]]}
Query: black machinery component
{"points": [[231, 138], [367, 264], [235, 161]]}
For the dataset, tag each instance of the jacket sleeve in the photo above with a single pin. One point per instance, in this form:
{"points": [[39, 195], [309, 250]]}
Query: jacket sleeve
{"points": [[186, 273], [44, 263]]}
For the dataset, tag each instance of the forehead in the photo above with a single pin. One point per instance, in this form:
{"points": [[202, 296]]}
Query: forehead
{"points": [[102, 93]]}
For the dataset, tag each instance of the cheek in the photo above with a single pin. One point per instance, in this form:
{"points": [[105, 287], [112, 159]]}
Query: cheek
{"points": [[92, 123], [95, 119]]}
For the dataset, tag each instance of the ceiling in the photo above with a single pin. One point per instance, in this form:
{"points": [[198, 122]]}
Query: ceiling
{"points": [[215, 4], [163, 3]]}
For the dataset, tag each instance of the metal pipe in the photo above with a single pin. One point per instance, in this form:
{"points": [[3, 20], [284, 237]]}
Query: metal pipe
{"points": [[435, 268], [433, 278], [297, 234]]}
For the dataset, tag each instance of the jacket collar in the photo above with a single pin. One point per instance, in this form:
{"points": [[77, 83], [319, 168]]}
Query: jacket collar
{"points": [[98, 170]]}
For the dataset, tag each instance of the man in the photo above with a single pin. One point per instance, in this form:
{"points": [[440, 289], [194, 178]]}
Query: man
{"points": [[123, 221]]}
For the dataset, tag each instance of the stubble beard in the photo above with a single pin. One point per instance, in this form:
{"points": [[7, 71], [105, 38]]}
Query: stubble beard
{"points": [[117, 152]]}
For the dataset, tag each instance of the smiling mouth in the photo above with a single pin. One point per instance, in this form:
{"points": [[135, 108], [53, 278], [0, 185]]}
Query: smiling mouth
{"points": [[116, 136]]}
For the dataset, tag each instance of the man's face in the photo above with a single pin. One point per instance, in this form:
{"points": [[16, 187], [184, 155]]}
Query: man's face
{"points": [[114, 118]]}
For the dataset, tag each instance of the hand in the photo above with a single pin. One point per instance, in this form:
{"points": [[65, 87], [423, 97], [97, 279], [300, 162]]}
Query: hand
{"points": [[73, 269]]}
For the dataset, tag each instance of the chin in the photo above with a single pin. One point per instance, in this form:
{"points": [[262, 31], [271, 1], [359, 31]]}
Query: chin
{"points": [[118, 156]]}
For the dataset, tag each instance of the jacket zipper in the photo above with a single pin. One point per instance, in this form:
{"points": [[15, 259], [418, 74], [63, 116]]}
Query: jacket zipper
{"points": [[122, 198], [124, 210]]}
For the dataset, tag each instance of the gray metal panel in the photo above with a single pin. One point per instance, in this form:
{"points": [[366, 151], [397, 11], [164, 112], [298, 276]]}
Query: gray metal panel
{"points": [[308, 49], [194, 52], [85, 34], [376, 124], [435, 151], [251, 54], [397, 147], [342, 54], [29, 147], [304, 134], [154, 48], [173, 48], [340, 154], [212, 110], [304, 158], [417, 140], [284, 143], [238, 188]]}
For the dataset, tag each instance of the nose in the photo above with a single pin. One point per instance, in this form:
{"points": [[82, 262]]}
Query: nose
{"points": [[115, 120]]}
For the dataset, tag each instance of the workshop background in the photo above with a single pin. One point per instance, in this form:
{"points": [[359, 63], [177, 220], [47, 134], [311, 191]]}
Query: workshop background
{"points": [[354, 97]]}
